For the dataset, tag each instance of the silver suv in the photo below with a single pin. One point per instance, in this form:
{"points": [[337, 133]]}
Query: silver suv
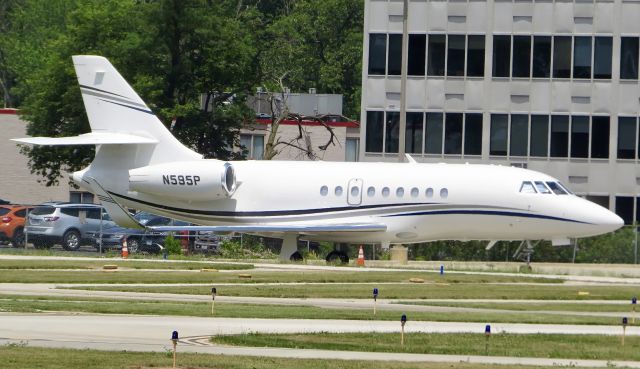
{"points": [[65, 223]]}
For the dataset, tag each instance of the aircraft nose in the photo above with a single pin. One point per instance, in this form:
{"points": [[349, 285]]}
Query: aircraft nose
{"points": [[609, 221]]}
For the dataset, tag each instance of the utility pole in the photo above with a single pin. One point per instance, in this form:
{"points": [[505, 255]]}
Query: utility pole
{"points": [[403, 83]]}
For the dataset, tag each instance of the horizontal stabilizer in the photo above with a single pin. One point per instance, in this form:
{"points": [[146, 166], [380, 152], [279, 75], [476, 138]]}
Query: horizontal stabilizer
{"points": [[302, 228], [94, 138]]}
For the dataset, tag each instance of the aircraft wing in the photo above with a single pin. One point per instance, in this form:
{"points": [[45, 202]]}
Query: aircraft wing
{"points": [[94, 138], [300, 228]]}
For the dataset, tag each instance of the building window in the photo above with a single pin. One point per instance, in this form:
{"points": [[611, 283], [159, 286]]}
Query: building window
{"points": [[624, 208], [579, 137], [394, 63], [475, 56], [81, 197], [627, 138], [602, 57], [254, 144], [559, 136], [413, 134], [417, 55], [499, 132], [629, 58], [453, 133], [473, 134], [600, 132], [455, 55], [436, 54], [519, 135], [541, 56], [561, 56], [521, 56], [501, 56], [392, 129], [375, 131], [351, 149], [582, 57], [377, 53], [433, 134], [539, 135]]}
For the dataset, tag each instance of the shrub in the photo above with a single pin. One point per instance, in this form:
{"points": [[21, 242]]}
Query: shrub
{"points": [[172, 245]]}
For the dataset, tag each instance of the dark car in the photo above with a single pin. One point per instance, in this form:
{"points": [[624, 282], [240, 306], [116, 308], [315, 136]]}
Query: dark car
{"points": [[138, 240]]}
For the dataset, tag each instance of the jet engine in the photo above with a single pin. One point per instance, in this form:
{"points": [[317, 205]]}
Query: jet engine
{"points": [[201, 180]]}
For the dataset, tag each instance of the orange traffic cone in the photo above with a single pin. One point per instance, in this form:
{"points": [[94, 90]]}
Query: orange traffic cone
{"points": [[360, 261], [125, 250]]}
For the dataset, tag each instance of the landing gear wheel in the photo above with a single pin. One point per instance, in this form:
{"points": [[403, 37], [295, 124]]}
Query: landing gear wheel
{"points": [[296, 256], [18, 238], [337, 257], [71, 240]]}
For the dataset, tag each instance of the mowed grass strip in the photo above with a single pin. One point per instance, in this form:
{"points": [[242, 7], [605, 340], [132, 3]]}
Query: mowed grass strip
{"points": [[535, 306], [555, 346], [257, 276], [37, 304], [19, 357], [133, 264], [401, 291]]}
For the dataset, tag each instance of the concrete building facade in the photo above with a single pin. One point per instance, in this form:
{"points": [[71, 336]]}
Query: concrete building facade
{"points": [[548, 85]]}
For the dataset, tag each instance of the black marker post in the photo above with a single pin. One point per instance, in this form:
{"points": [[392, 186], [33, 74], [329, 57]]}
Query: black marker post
{"points": [[403, 321], [634, 301], [214, 291], [375, 300], [487, 334], [624, 328], [174, 340]]}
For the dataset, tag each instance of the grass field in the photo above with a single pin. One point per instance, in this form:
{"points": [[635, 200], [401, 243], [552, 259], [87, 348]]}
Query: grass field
{"points": [[132, 264], [537, 306], [518, 345], [18, 357], [403, 291], [37, 304]]}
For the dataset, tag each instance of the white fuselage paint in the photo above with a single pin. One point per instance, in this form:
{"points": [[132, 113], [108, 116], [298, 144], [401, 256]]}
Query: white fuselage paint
{"points": [[483, 202]]}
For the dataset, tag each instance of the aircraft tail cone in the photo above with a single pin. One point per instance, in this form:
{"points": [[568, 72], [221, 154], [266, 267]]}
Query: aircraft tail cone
{"points": [[125, 249], [360, 261]]}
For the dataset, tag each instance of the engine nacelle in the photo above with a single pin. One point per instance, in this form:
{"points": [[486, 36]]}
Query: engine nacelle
{"points": [[202, 180]]}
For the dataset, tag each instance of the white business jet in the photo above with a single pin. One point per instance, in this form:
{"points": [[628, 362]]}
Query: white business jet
{"points": [[139, 164]]}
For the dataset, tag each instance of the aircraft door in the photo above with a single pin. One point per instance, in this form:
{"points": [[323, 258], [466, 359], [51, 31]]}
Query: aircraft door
{"points": [[354, 192]]}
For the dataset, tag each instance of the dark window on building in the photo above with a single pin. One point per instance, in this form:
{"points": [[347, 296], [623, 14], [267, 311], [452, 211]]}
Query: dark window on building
{"points": [[559, 136], [582, 57], [627, 138], [498, 138], [624, 208], [600, 137], [417, 55], [453, 133], [392, 132], [541, 56], [521, 56], [375, 131], [602, 57], [629, 58], [435, 56], [561, 56], [413, 135], [473, 134], [475, 56], [377, 53], [519, 134], [579, 137], [433, 134], [455, 56], [539, 135], [395, 55], [501, 56], [600, 200]]}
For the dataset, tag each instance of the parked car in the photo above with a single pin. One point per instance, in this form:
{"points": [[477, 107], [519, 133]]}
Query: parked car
{"points": [[66, 224], [138, 240], [12, 219]]}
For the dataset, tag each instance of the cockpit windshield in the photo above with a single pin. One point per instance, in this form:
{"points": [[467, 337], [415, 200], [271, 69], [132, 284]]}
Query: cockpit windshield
{"points": [[541, 187], [548, 187]]}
